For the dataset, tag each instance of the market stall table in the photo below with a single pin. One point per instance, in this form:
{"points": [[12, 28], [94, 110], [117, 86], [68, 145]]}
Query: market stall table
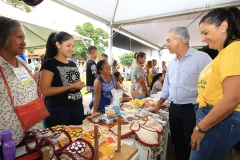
{"points": [[144, 152], [124, 151]]}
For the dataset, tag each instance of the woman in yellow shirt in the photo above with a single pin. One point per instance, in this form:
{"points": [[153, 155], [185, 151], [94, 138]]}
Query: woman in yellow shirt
{"points": [[218, 116], [148, 71]]}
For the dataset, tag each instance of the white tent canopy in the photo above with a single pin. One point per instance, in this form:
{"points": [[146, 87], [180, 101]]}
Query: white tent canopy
{"points": [[36, 33], [149, 20]]}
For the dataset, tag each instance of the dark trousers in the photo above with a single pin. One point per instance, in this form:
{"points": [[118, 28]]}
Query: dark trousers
{"points": [[91, 103], [182, 120], [237, 146], [64, 115]]}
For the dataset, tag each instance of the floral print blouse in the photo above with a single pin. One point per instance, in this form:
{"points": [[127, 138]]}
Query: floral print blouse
{"points": [[136, 88], [21, 95]]}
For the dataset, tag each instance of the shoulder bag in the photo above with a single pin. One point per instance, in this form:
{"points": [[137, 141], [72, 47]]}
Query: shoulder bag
{"points": [[31, 113]]}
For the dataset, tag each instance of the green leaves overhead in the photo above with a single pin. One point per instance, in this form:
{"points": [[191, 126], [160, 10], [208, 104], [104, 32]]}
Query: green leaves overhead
{"points": [[19, 4], [99, 36], [126, 59]]}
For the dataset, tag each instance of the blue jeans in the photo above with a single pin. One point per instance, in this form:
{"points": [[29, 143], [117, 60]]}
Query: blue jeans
{"points": [[219, 139], [64, 115], [91, 103]]}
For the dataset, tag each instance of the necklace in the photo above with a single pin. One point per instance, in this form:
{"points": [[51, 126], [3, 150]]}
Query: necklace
{"points": [[104, 79]]}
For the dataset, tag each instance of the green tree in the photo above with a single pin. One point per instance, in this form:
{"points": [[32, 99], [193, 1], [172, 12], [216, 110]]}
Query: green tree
{"points": [[80, 50], [30, 50], [19, 4], [99, 36], [126, 59]]}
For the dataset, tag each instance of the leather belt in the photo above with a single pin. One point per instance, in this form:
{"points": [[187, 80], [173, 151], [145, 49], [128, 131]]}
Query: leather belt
{"points": [[182, 104]]}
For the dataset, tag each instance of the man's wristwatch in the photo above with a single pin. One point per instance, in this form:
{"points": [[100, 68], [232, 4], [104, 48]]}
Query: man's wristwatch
{"points": [[199, 129]]}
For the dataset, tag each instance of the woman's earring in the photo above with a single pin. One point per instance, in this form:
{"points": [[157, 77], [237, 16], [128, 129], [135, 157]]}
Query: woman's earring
{"points": [[223, 31]]}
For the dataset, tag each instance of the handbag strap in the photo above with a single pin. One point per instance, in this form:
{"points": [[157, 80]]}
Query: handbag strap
{"points": [[8, 88], [6, 83]]}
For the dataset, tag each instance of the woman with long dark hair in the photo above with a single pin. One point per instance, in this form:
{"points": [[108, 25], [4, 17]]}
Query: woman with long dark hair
{"points": [[103, 85], [119, 80], [157, 83], [60, 82], [148, 71], [217, 129], [138, 77]]}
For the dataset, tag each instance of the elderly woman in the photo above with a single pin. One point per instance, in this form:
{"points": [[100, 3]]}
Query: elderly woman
{"points": [[218, 117], [24, 91], [138, 77]]}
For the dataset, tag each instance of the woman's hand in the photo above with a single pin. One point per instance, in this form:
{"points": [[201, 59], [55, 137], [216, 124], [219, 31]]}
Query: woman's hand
{"points": [[126, 99], [93, 115], [78, 85], [196, 139], [148, 94]]}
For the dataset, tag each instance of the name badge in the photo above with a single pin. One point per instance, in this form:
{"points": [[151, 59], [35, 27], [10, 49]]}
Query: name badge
{"points": [[23, 75]]}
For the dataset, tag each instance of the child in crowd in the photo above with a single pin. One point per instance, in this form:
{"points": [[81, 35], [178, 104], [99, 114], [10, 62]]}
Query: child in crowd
{"points": [[104, 56], [120, 80], [91, 71]]}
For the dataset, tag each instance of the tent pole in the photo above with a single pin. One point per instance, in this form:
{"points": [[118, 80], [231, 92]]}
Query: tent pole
{"points": [[84, 43], [160, 54], [130, 44], [110, 43], [110, 40]]}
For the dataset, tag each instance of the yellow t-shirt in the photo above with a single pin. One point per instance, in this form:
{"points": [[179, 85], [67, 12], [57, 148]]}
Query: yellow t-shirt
{"points": [[149, 75], [226, 64]]}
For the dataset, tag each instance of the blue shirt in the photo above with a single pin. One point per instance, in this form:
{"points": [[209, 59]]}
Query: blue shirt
{"points": [[23, 57], [106, 95], [180, 83]]}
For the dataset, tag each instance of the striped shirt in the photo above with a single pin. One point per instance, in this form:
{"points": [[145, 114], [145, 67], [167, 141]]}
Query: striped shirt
{"points": [[180, 83]]}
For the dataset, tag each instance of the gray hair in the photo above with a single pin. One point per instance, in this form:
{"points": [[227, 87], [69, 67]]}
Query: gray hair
{"points": [[7, 27], [181, 31]]}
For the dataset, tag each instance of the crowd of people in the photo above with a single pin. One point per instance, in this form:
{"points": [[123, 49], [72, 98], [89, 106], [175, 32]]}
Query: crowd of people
{"points": [[204, 93]]}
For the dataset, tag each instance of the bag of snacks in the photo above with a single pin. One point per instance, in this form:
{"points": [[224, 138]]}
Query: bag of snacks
{"points": [[114, 108]]}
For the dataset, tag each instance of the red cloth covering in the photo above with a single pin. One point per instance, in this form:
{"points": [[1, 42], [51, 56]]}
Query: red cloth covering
{"points": [[29, 156]]}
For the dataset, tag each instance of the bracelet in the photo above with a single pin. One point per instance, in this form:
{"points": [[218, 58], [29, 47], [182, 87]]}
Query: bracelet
{"points": [[199, 129]]}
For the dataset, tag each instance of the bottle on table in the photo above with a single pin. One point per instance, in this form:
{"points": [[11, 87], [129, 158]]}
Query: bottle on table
{"points": [[8, 145]]}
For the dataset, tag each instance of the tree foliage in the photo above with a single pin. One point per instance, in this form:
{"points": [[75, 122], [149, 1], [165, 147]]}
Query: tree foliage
{"points": [[99, 36], [19, 4], [31, 50], [126, 59]]}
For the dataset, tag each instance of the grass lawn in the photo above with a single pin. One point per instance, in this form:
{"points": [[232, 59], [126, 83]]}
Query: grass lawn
{"points": [[83, 91]]}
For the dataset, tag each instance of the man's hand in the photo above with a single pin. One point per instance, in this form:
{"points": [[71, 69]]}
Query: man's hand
{"points": [[158, 107]]}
